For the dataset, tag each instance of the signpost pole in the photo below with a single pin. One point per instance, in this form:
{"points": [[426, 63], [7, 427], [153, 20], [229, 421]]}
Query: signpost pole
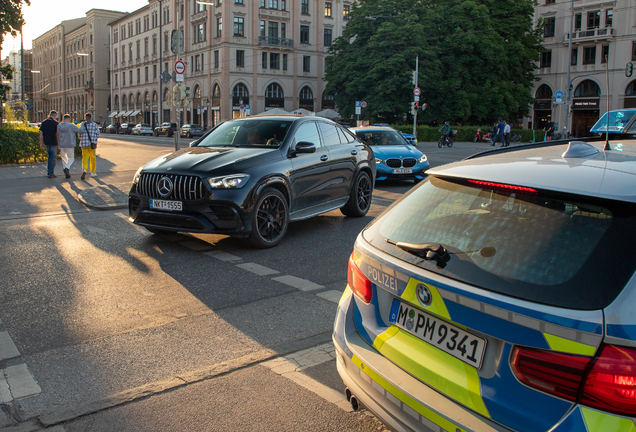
{"points": [[417, 60], [177, 132]]}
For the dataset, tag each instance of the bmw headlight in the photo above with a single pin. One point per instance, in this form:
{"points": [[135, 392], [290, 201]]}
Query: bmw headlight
{"points": [[234, 181], [422, 159], [137, 175], [379, 161]]}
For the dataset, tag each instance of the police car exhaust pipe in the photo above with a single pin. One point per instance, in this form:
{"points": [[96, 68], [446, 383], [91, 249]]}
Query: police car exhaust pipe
{"points": [[355, 405], [348, 394]]}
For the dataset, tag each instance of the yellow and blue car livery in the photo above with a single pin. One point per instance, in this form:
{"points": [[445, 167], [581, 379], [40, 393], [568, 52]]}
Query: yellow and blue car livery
{"points": [[413, 385]]}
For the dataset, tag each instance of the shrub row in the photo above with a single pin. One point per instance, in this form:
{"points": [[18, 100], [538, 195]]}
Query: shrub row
{"points": [[19, 145], [465, 133]]}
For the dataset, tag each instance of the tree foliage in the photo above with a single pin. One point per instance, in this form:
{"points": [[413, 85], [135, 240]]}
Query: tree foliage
{"points": [[11, 19], [476, 58]]}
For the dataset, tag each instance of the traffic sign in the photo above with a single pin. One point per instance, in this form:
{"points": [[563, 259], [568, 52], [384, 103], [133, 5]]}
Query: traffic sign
{"points": [[179, 67], [417, 91], [247, 110], [558, 94], [358, 104], [176, 37], [179, 77], [358, 110], [363, 104], [416, 98], [166, 77]]}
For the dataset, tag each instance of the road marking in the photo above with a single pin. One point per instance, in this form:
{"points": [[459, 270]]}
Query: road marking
{"points": [[291, 365], [333, 295], [296, 282], [7, 347], [196, 245], [223, 256], [257, 269], [19, 382]]}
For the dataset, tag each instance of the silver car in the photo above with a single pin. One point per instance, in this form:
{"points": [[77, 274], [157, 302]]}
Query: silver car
{"points": [[499, 295], [191, 130]]}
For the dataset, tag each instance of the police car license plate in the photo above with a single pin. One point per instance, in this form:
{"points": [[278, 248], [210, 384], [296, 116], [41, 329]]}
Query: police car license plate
{"points": [[166, 205], [449, 338], [403, 171]]}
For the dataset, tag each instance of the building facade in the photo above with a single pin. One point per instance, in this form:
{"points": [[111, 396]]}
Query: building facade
{"points": [[603, 37], [71, 67], [15, 60], [260, 53]]}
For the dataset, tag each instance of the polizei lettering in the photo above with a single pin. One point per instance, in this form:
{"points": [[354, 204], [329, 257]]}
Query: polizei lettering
{"points": [[383, 279]]}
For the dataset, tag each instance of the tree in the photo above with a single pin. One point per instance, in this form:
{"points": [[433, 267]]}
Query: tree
{"points": [[476, 58], [11, 21]]}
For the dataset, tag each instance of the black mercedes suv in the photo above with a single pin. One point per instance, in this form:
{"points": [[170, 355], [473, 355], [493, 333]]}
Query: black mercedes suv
{"points": [[250, 177]]}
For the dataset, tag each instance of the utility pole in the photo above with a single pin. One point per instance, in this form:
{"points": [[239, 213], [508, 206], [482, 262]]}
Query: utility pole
{"points": [[160, 113], [22, 65], [177, 132], [568, 93], [417, 61]]}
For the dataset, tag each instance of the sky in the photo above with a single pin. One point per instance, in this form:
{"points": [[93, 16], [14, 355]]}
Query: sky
{"points": [[42, 16]]}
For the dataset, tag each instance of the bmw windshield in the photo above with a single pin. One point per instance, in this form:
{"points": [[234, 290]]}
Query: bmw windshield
{"points": [[248, 133], [381, 137]]}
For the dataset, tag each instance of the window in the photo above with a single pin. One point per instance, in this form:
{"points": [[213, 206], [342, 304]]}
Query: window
{"points": [[274, 61], [329, 134], [146, 73], [593, 19], [146, 47], [546, 59], [154, 72], [115, 36], [91, 36], [181, 13], [219, 27], [240, 58], [199, 32], [115, 55], [262, 28], [264, 60], [238, 1], [154, 44], [328, 9], [284, 62], [307, 133], [238, 26], [123, 54], [198, 7], [306, 93], [91, 57], [549, 29], [116, 80], [633, 51], [575, 57], [589, 55], [304, 34], [550, 2], [283, 4], [138, 75], [272, 30], [346, 10], [283, 30], [130, 56], [216, 59], [604, 53], [306, 64], [304, 7], [273, 4], [609, 17], [262, 3], [328, 37], [578, 19], [138, 50]]}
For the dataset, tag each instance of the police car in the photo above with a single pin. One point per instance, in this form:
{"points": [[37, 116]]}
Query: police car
{"points": [[499, 295]]}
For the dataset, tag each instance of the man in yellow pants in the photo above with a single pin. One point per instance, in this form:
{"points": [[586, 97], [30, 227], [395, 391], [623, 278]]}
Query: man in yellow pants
{"points": [[89, 133]]}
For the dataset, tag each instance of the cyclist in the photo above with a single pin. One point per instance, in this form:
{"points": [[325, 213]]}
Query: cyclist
{"points": [[445, 132]]}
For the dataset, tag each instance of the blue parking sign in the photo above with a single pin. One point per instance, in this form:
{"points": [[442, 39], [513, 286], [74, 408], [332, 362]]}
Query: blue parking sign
{"points": [[358, 104]]}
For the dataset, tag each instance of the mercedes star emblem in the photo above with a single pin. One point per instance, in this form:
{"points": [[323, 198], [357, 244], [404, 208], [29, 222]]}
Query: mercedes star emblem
{"points": [[164, 187]]}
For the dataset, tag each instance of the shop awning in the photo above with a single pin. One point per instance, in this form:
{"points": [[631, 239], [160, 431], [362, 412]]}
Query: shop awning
{"points": [[113, 114], [134, 113], [121, 113]]}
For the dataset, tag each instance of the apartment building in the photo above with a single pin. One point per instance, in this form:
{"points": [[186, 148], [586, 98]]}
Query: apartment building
{"points": [[603, 36], [71, 67], [260, 53], [15, 60]]}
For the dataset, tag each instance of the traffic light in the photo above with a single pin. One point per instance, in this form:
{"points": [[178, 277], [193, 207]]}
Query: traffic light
{"points": [[414, 77], [182, 94], [629, 70], [187, 91], [413, 107], [169, 98]]}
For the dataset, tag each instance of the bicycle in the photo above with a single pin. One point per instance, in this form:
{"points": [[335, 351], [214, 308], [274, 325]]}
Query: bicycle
{"points": [[445, 140], [515, 138]]}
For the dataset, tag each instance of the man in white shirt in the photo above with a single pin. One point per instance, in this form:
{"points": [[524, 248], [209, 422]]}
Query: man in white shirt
{"points": [[506, 142]]}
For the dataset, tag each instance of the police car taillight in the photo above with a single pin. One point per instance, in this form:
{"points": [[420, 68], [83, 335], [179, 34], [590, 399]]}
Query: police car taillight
{"points": [[358, 282], [606, 381]]}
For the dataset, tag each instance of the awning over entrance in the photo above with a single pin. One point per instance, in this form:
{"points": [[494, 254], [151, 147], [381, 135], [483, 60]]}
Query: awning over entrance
{"points": [[113, 114], [134, 113], [121, 113]]}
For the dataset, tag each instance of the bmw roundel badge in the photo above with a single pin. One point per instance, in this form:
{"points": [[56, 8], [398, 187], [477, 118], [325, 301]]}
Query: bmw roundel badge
{"points": [[424, 295]]}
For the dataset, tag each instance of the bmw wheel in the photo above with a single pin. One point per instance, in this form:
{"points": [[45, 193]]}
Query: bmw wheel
{"points": [[360, 197], [270, 219]]}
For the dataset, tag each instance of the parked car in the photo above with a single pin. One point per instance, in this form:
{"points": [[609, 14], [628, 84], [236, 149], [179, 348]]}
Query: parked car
{"points": [[191, 130], [498, 295], [142, 129], [111, 129], [622, 124], [395, 158], [409, 138], [126, 128], [167, 129], [250, 177]]}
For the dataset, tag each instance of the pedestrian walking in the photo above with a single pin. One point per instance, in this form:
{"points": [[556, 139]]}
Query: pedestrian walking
{"points": [[67, 132], [499, 133], [48, 141], [549, 130], [506, 134], [89, 133]]}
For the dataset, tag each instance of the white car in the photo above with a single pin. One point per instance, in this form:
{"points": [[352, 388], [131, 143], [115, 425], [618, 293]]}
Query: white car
{"points": [[142, 129]]}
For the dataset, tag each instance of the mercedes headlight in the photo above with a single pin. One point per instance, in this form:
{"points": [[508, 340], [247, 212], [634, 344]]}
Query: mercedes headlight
{"points": [[422, 159], [137, 175], [379, 161], [234, 181]]}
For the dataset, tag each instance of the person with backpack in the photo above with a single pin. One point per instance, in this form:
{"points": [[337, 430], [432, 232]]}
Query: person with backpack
{"points": [[89, 133]]}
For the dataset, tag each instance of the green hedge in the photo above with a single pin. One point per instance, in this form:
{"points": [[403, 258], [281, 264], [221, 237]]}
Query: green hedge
{"points": [[19, 145], [464, 133]]}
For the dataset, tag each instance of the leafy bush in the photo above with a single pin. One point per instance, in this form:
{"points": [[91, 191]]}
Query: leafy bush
{"points": [[21, 144]]}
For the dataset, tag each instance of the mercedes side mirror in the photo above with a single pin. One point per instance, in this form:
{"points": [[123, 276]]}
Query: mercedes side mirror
{"points": [[305, 147]]}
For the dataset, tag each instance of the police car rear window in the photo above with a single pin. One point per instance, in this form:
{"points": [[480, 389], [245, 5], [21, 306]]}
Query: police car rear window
{"points": [[565, 251]]}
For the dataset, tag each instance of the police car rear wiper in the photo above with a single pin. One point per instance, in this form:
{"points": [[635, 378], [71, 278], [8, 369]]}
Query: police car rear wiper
{"points": [[429, 251]]}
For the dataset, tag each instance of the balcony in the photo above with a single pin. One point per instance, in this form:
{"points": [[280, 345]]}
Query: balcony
{"points": [[276, 42], [89, 86], [199, 16], [591, 35]]}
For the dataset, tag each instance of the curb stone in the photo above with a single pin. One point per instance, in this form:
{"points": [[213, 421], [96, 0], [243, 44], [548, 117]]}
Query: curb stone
{"points": [[108, 197]]}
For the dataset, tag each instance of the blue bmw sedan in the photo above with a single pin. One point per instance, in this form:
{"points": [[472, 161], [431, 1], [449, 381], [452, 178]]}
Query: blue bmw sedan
{"points": [[395, 158]]}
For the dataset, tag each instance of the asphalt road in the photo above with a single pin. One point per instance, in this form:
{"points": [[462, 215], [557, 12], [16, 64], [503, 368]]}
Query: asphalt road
{"points": [[119, 329]]}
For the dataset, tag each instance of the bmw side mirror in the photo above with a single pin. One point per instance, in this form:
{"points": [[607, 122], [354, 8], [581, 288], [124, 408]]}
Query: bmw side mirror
{"points": [[305, 147]]}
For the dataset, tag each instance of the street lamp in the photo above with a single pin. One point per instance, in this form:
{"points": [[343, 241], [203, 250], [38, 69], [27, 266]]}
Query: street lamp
{"points": [[207, 111], [35, 71], [82, 54], [206, 2]]}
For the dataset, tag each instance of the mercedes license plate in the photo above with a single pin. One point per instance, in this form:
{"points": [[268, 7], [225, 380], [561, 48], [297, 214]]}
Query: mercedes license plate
{"points": [[403, 171], [166, 205], [449, 338]]}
